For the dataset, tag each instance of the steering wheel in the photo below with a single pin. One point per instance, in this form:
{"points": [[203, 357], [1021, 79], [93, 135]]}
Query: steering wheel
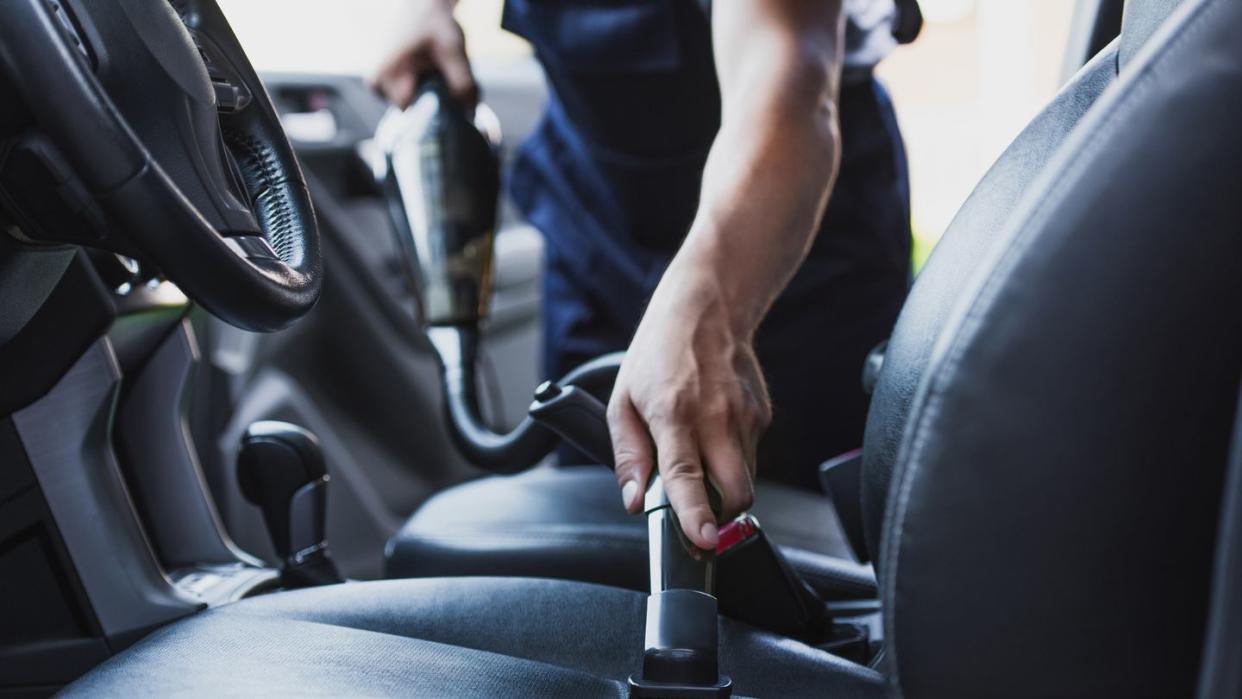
{"points": [[157, 115]]}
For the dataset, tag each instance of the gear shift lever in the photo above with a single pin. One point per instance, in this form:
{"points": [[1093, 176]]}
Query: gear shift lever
{"points": [[280, 468]]}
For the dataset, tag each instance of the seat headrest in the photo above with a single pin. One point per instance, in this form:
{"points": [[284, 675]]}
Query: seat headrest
{"points": [[1140, 20]]}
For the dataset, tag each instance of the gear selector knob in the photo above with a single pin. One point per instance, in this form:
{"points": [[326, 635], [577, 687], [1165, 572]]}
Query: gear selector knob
{"points": [[280, 469]]}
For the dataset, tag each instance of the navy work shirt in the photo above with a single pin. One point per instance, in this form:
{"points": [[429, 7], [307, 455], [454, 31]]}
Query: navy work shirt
{"points": [[611, 177]]}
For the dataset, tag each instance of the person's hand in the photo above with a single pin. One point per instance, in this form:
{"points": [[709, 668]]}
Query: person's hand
{"points": [[691, 398], [437, 44]]}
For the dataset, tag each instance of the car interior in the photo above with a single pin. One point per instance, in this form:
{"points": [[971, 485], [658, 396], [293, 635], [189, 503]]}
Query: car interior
{"points": [[269, 421]]}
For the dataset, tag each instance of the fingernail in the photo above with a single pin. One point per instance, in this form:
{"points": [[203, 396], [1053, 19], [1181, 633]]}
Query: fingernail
{"points": [[629, 493], [709, 534]]}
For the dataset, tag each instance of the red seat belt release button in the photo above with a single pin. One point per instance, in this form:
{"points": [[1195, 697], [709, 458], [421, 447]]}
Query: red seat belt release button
{"points": [[739, 531]]}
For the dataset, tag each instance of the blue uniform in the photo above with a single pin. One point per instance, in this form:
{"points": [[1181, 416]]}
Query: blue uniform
{"points": [[611, 177]]}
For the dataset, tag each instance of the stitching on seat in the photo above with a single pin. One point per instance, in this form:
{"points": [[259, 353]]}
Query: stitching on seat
{"points": [[1128, 89]]}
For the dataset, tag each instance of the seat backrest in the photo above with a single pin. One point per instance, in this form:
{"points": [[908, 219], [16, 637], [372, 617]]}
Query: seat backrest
{"points": [[972, 233], [1054, 506]]}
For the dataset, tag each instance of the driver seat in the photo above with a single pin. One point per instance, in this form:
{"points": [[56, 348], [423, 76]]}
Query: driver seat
{"points": [[1054, 494], [569, 523]]}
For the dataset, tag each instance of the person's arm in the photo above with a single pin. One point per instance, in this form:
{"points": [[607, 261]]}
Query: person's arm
{"points": [[436, 44], [691, 394]]}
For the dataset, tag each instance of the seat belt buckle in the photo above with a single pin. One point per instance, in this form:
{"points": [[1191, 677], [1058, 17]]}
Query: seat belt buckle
{"points": [[755, 584]]}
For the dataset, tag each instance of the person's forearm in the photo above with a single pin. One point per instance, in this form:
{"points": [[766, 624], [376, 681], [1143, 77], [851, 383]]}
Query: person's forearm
{"points": [[766, 184], [690, 396]]}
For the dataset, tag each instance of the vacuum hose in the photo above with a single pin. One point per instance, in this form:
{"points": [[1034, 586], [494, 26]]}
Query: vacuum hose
{"points": [[528, 443]]}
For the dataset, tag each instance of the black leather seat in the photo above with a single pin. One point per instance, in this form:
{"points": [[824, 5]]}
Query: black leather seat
{"points": [[1055, 479], [568, 523]]}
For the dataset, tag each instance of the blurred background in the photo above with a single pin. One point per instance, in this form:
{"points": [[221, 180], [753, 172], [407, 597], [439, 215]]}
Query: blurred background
{"points": [[979, 71]]}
